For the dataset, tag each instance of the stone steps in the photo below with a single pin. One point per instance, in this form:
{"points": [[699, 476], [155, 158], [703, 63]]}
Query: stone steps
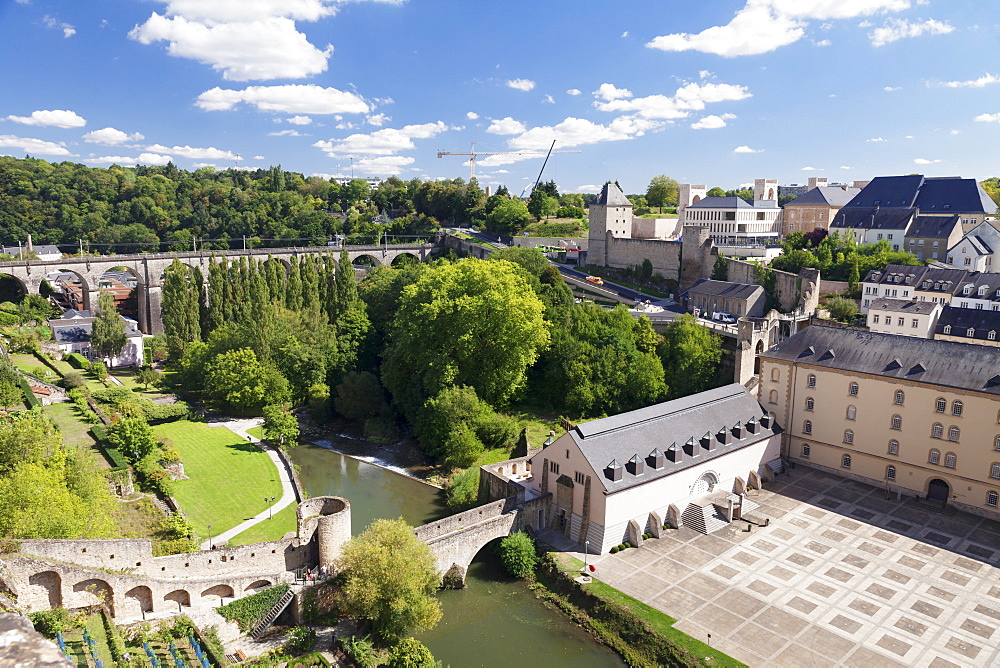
{"points": [[703, 519]]}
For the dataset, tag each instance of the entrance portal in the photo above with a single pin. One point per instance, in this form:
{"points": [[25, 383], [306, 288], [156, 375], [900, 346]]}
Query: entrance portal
{"points": [[938, 490], [706, 483]]}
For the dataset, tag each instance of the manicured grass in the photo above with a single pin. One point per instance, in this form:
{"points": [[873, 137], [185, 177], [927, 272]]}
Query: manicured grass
{"points": [[75, 431], [272, 529], [256, 432], [610, 276], [228, 477], [31, 364]]}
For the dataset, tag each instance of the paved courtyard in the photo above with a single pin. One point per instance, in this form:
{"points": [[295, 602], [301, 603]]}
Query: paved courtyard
{"points": [[840, 577]]}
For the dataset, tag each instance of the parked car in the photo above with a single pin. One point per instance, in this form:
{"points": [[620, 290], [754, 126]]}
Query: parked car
{"points": [[725, 318], [596, 280]]}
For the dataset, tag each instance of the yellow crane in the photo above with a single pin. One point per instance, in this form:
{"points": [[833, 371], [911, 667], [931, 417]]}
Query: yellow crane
{"points": [[473, 154]]}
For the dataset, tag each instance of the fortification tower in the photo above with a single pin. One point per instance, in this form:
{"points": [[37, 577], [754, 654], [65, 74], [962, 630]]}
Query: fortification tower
{"points": [[328, 519], [765, 189], [687, 195], [610, 216]]}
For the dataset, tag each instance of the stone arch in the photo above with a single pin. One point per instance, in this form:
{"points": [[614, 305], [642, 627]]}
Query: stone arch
{"points": [[123, 282], [938, 490], [256, 585], [365, 260], [180, 597], [218, 592], [95, 592], [45, 587], [77, 297], [16, 282], [163, 272], [758, 351], [137, 601], [405, 258]]}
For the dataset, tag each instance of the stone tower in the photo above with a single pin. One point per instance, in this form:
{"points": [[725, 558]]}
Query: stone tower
{"points": [[687, 195], [817, 182], [610, 216], [765, 189]]}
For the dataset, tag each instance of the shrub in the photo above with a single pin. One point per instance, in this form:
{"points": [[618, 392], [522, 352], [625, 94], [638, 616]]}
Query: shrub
{"points": [[463, 489], [73, 380], [77, 361], [614, 550], [213, 646], [497, 431], [363, 651], [30, 400], [300, 640], [517, 553], [153, 477], [248, 610], [410, 653], [51, 622], [116, 646]]}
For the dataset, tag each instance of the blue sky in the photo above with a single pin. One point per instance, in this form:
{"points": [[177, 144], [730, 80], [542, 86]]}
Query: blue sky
{"points": [[717, 92]]}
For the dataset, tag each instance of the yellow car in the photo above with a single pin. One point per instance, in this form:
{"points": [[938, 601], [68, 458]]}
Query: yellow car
{"points": [[596, 280]]}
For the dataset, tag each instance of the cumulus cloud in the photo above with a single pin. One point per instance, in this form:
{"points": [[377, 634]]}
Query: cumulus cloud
{"points": [[143, 159], [589, 188], [688, 98], [897, 29], [390, 164], [747, 149], [578, 132], [56, 118], [846, 167], [385, 142], [608, 92], [823, 42], [810, 169], [712, 122], [890, 89], [31, 146], [506, 126], [300, 120], [987, 118], [521, 84], [875, 140], [210, 153], [54, 23], [258, 157], [472, 115], [111, 137], [285, 133], [378, 120], [766, 25], [924, 161], [981, 82], [291, 98], [574, 91]]}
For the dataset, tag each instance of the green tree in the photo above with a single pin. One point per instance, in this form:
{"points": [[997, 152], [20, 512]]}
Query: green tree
{"points": [[690, 353], [359, 396], [716, 192], [133, 437], [646, 269], [181, 313], [411, 653], [10, 390], [147, 376], [842, 308], [662, 191], [237, 380], [107, 336], [280, 426], [720, 270], [390, 578], [509, 216], [517, 554]]}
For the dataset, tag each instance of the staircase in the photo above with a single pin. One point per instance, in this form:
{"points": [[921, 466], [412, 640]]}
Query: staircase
{"points": [[703, 518], [272, 614]]}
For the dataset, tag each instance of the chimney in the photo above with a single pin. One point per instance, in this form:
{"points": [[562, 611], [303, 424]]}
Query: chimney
{"points": [[30, 245], [636, 465]]}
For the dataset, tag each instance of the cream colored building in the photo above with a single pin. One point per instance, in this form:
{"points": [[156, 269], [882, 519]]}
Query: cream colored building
{"points": [[918, 417], [903, 317], [816, 208]]}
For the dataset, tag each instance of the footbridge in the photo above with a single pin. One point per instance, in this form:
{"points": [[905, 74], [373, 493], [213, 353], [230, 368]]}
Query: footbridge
{"points": [[148, 269]]}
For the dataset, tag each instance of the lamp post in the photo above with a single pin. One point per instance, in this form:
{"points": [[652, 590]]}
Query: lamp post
{"points": [[269, 500], [211, 545], [586, 553]]}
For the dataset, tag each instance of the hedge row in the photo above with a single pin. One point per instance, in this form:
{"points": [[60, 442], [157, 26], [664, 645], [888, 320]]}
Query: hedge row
{"points": [[30, 400], [77, 361], [115, 643], [111, 453], [209, 639]]}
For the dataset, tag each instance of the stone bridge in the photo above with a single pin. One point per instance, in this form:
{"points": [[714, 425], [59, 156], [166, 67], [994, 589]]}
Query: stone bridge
{"points": [[148, 269]]}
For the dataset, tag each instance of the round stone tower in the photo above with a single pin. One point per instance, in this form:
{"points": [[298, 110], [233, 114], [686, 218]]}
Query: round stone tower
{"points": [[328, 520]]}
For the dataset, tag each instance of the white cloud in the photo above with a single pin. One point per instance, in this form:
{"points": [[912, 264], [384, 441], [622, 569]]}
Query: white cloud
{"points": [[823, 42], [766, 25], [521, 84], [389, 164], [846, 167], [574, 91], [908, 137], [111, 137], [704, 74], [810, 169], [57, 118], [981, 82], [608, 92], [549, 99], [625, 34], [747, 149], [383, 142], [712, 122], [502, 171], [954, 132], [285, 133], [31, 146], [378, 120], [875, 140], [300, 120], [143, 159], [890, 89], [578, 132], [896, 29], [506, 126], [691, 97], [210, 153], [588, 189], [472, 115], [987, 118], [924, 161], [259, 157], [53, 22], [292, 99]]}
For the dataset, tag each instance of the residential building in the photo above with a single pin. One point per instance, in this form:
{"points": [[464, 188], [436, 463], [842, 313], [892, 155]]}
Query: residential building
{"points": [[72, 335], [920, 417], [903, 317], [929, 237], [687, 460], [44, 252], [896, 281], [965, 325], [937, 284], [977, 250], [816, 208], [978, 292], [868, 226], [734, 220], [737, 299]]}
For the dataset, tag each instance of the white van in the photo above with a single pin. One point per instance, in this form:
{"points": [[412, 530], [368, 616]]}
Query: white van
{"points": [[724, 318]]}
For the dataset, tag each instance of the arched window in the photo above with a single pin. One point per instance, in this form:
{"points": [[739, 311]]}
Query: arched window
{"points": [[807, 427], [811, 381], [775, 375], [956, 408], [934, 457], [848, 436], [898, 398], [937, 430], [852, 412], [992, 335], [953, 433], [996, 442], [893, 447], [772, 397], [950, 460], [890, 472], [845, 461], [805, 450], [896, 423], [810, 404], [992, 498], [852, 389], [995, 471], [970, 331], [939, 405]]}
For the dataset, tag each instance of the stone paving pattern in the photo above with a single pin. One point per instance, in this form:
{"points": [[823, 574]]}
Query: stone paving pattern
{"points": [[840, 577]]}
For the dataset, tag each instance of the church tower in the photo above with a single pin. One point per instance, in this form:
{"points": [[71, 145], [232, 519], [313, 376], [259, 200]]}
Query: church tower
{"points": [[610, 216]]}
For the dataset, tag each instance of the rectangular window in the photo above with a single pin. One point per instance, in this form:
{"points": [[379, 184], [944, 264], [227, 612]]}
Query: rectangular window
{"points": [[805, 450], [845, 461], [900, 321], [875, 318], [579, 478], [915, 321], [553, 467]]}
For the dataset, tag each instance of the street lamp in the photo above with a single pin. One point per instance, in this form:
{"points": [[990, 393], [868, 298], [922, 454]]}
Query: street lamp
{"points": [[271, 499], [211, 546], [586, 552]]}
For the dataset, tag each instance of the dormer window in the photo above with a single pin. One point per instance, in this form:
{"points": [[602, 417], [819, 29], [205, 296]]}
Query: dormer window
{"points": [[970, 331], [947, 329], [968, 290], [946, 206], [982, 289]]}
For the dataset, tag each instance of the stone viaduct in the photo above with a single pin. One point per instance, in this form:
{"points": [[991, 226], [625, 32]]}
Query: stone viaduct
{"points": [[148, 269]]}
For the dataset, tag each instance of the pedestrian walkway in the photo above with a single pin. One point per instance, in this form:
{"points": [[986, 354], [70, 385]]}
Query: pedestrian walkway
{"points": [[240, 427]]}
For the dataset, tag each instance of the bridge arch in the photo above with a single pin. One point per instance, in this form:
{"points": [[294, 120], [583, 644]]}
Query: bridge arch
{"points": [[138, 600], [76, 296], [365, 260], [44, 589], [405, 258], [218, 592]]}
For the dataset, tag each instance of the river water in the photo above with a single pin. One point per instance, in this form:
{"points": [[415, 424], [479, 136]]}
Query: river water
{"points": [[494, 621]]}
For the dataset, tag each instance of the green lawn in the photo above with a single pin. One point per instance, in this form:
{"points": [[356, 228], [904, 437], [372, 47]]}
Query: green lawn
{"points": [[229, 478], [272, 529], [31, 364], [74, 430], [256, 432]]}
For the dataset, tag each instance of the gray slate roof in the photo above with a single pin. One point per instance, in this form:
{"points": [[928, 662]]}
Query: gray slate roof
{"points": [[933, 227], [944, 363], [962, 319], [611, 195], [825, 196], [706, 286], [929, 194], [873, 219], [733, 203], [902, 306], [681, 423]]}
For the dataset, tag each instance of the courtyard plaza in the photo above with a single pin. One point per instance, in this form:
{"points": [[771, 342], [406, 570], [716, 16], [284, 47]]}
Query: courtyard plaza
{"points": [[840, 576]]}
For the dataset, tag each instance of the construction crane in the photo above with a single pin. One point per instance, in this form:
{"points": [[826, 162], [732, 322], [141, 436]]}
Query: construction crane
{"points": [[473, 153]]}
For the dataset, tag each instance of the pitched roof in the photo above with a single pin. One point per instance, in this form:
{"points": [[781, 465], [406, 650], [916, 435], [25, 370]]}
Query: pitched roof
{"points": [[954, 194], [611, 195], [903, 274], [961, 320], [706, 286], [888, 191], [933, 227], [825, 196], [873, 218], [943, 363], [733, 203], [730, 417], [902, 306]]}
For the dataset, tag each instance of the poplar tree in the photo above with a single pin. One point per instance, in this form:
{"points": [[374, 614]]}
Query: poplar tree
{"points": [[293, 291], [181, 313], [107, 336]]}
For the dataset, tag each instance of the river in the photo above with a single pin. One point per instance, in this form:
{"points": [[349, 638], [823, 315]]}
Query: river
{"points": [[495, 620]]}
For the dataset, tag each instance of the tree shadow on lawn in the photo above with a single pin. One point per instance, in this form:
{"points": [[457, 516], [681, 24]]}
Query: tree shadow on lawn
{"points": [[244, 447]]}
